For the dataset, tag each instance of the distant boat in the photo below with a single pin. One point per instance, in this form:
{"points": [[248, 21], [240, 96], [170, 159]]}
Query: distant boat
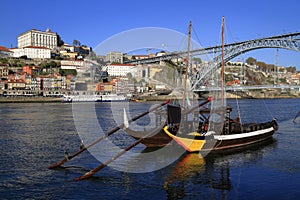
{"points": [[113, 98], [81, 98], [139, 100], [163, 92], [94, 98]]}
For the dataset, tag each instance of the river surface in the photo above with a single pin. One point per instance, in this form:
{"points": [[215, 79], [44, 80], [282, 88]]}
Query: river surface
{"points": [[34, 135]]}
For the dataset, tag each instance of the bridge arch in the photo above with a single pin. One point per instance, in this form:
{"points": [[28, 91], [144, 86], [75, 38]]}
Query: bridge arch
{"points": [[288, 42]]}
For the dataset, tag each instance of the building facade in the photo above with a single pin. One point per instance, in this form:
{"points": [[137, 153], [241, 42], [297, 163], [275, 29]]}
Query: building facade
{"points": [[32, 52], [5, 52], [120, 69], [38, 38], [114, 57]]}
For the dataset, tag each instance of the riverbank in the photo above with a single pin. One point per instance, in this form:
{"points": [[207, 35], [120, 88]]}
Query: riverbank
{"points": [[16, 99], [19, 99]]}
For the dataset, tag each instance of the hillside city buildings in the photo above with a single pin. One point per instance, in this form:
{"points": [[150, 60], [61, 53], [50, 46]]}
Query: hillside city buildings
{"points": [[66, 71]]}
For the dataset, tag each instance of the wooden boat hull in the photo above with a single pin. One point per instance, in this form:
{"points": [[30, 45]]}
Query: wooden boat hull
{"points": [[221, 142], [158, 139], [191, 145]]}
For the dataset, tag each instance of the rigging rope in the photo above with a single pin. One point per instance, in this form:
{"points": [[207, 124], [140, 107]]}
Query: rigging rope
{"points": [[239, 113], [268, 110]]}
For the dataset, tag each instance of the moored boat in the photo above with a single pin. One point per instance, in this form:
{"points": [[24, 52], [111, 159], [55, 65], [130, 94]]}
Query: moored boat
{"points": [[81, 98], [94, 98], [217, 131], [157, 140], [113, 98], [245, 135]]}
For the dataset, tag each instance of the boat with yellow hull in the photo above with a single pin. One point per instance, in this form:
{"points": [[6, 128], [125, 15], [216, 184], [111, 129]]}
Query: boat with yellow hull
{"points": [[246, 135], [190, 144]]}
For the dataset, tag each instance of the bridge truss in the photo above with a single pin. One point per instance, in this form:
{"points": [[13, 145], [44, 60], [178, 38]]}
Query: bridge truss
{"points": [[286, 41]]}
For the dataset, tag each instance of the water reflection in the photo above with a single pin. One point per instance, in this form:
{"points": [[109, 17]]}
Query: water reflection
{"points": [[209, 177]]}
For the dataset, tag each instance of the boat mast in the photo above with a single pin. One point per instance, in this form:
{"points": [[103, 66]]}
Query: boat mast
{"points": [[223, 63], [187, 64]]}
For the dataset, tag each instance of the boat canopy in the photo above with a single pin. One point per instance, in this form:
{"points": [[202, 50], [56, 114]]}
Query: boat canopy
{"points": [[174, 114]]}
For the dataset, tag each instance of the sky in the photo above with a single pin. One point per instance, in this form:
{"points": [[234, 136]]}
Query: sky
{"points": [[93, 21]]}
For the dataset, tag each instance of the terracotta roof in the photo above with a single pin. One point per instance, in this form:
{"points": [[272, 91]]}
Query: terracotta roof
{"points": [[3, 48]]}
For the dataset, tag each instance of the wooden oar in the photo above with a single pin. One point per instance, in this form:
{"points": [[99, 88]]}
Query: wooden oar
{"points": [[100, 167], [95, 170], [59, 163], [296, 116]]}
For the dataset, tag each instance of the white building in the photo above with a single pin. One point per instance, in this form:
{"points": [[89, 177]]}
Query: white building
{"points": [[31, 52], [120, 69], [114, 57], [5, 52], [38, 38], [79, 65]]}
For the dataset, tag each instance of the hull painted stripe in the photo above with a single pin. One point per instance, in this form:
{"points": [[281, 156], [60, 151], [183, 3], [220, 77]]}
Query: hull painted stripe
{"points": [[243, 135]]}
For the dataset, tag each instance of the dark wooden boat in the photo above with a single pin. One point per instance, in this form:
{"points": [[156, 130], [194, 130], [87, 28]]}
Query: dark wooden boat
{"points": [[225, 133], [229, 134], [158, 139], [239, 135]]}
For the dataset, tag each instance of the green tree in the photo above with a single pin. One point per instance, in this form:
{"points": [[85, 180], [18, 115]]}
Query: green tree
{"points": [[262, 66], [251, 61], [76, 43], [60, 42], [24, 57], [65, 72], [52, 64], [291, 69], [197, 60]]}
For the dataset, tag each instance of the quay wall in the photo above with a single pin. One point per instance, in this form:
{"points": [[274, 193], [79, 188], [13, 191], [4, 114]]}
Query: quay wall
{"points": [[17, 99]]}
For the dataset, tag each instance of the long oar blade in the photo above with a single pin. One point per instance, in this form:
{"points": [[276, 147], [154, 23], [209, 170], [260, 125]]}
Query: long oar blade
{"points": [[95, 170], [59, 163], [126, 122], [296, 116]]}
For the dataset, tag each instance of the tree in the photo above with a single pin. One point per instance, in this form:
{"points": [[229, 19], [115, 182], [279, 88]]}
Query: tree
{"points": [[197, 60], [262, 66], [251, 61], [60, 42], [52, 64], [76, 43], [65, 72], [24, 57], [291, 69]]}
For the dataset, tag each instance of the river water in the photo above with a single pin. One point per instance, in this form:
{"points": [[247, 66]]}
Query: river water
{"points": [[34, 135]]}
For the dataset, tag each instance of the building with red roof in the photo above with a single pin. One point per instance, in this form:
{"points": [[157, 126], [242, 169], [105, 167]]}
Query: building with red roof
{"points": [[5, 52]]}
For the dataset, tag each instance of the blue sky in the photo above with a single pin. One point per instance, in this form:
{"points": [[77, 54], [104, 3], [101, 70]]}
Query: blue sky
{"points": [[93, 21]]}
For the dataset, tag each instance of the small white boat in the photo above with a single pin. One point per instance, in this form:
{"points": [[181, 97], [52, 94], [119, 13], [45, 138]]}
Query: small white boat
{"points": [[113, 97], [81, 98], [94, 98]]}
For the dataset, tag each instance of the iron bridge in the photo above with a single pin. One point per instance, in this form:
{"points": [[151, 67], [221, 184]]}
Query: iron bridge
{"points": [[248, 87], [285, 41]]}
